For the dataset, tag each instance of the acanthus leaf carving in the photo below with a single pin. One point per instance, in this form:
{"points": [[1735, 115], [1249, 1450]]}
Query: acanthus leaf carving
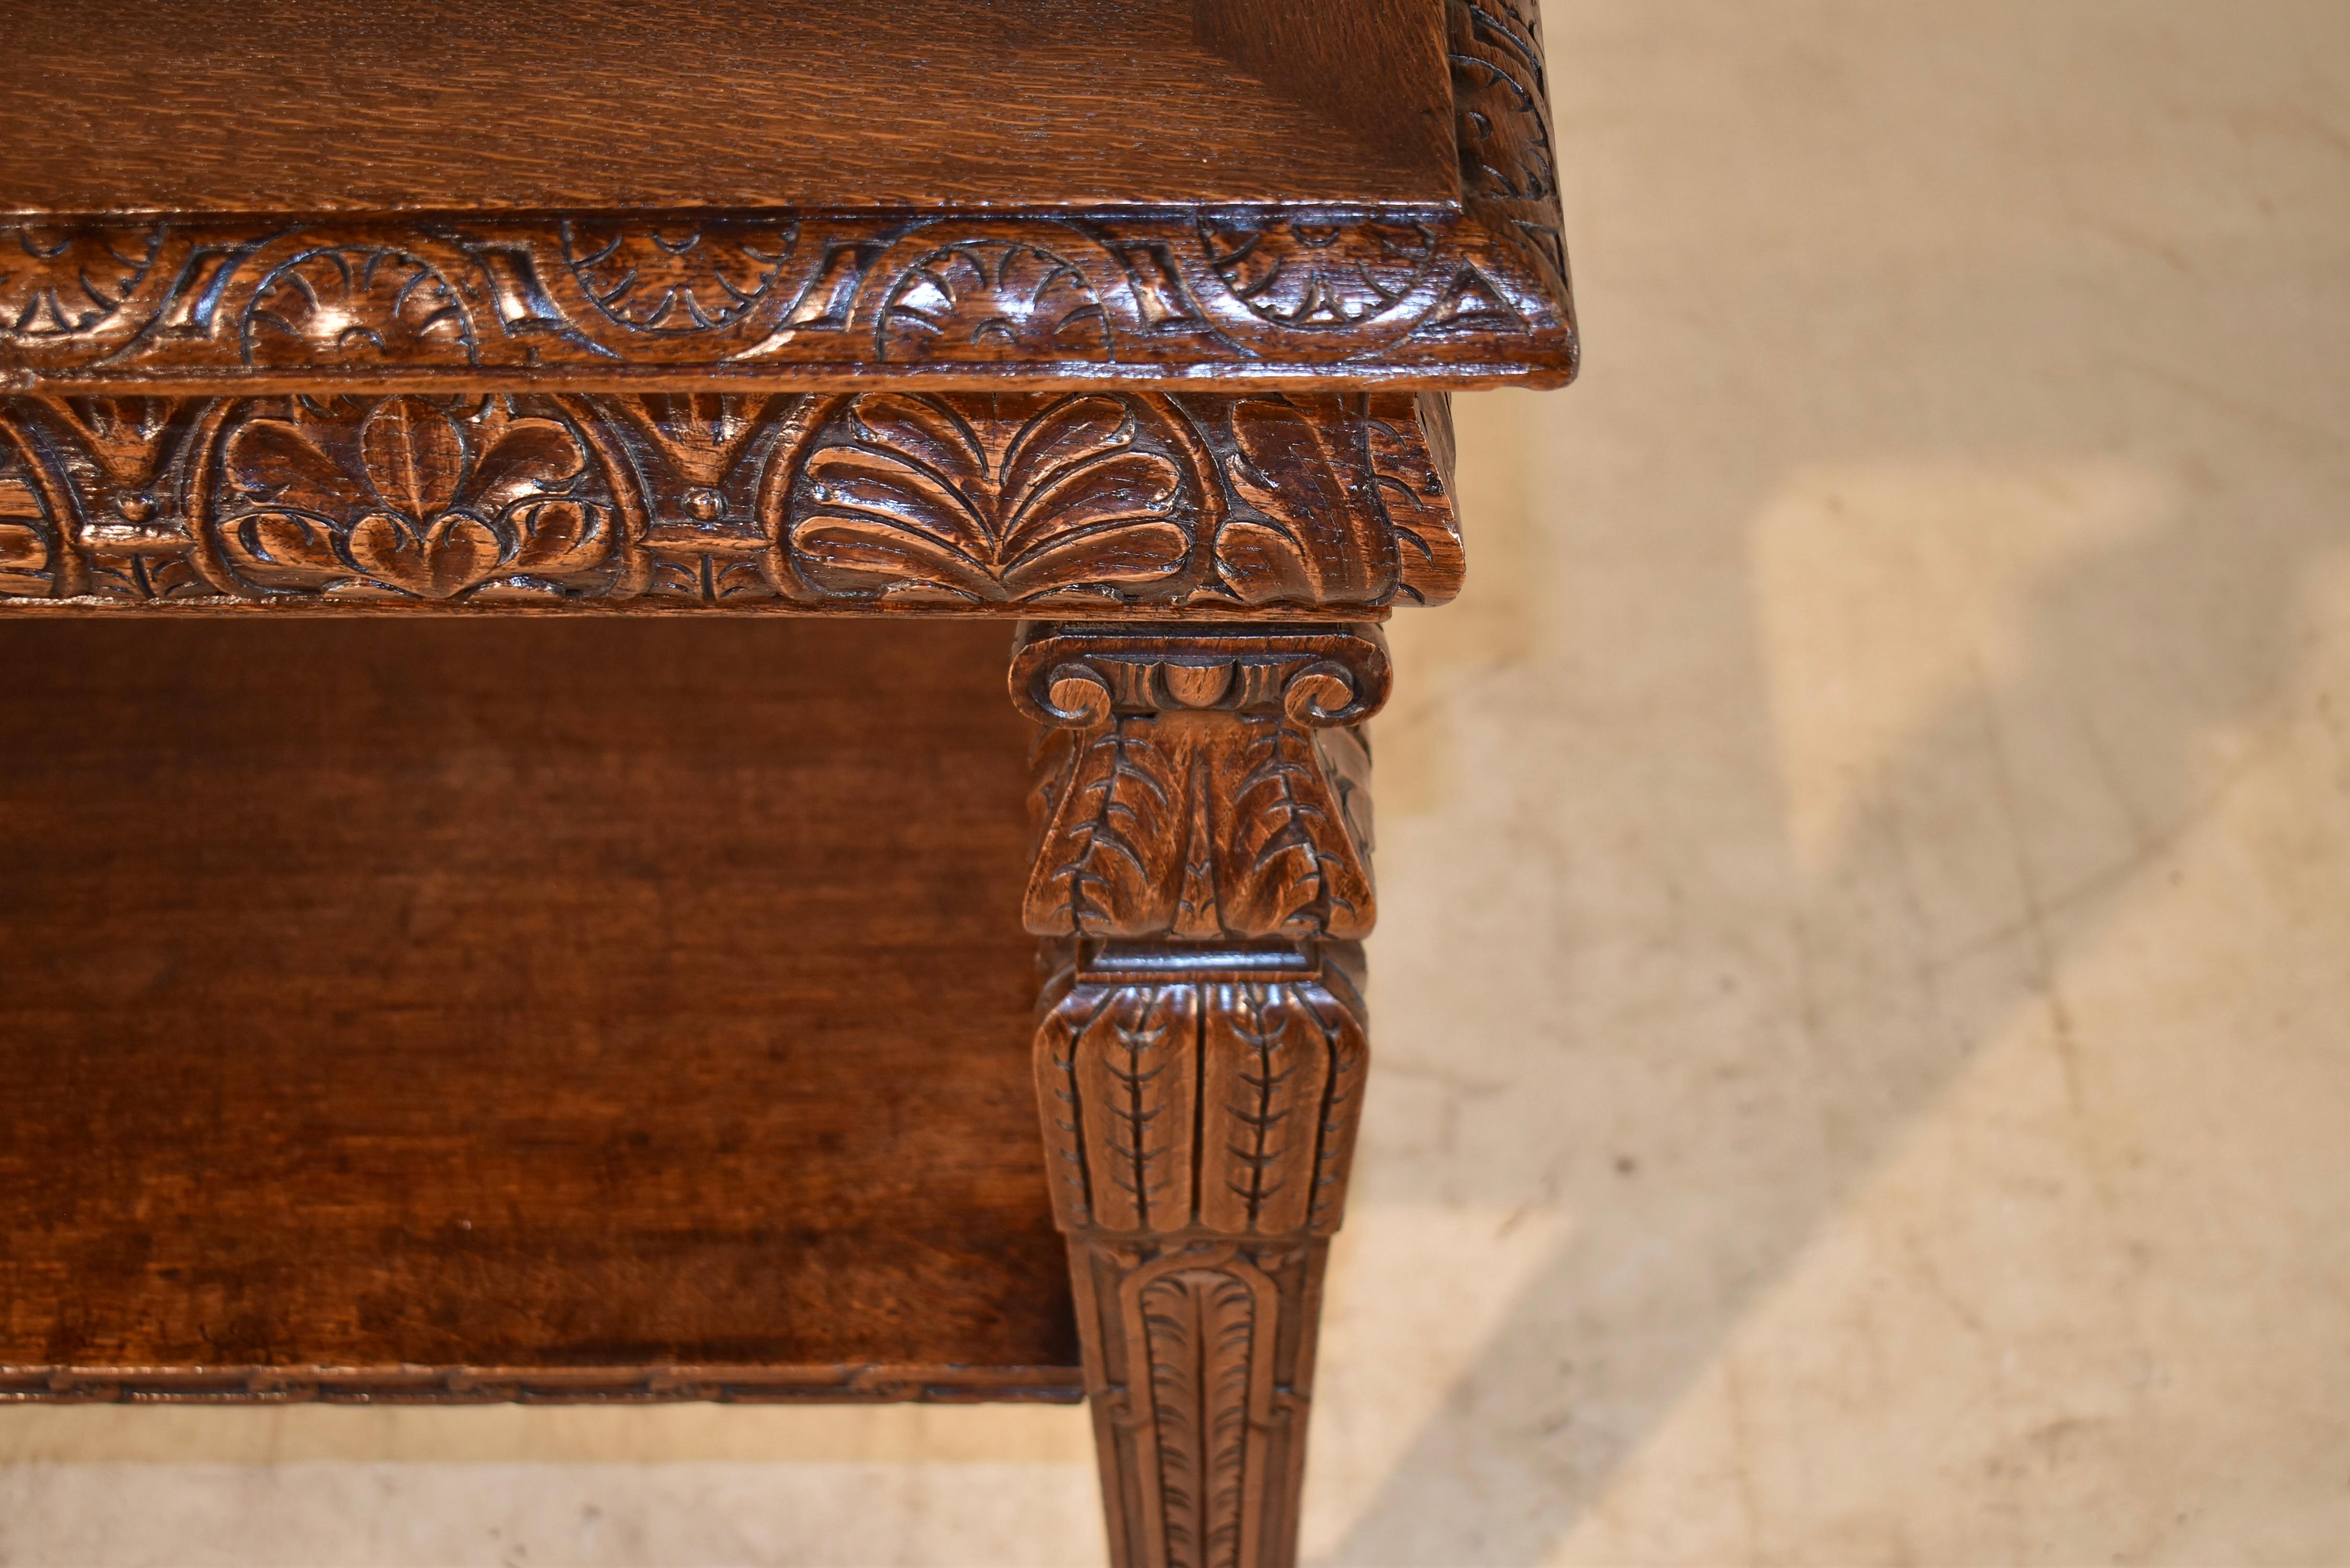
{"points": [[1200, 825], [1313, 532], [1124, 814], [1286, 863], [1410, 465]]}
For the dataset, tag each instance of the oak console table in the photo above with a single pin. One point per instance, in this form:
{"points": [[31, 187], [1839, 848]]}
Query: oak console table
{"points": [[515, 870]]}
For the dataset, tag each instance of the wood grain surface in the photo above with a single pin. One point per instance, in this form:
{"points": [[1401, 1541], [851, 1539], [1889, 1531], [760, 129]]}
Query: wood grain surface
{"points": [[313, 106], [604, 1002]]}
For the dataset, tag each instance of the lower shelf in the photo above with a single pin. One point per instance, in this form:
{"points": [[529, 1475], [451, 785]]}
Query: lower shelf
{"points": [[490, 1009]]}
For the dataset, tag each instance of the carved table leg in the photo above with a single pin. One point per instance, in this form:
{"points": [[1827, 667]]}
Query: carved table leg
{"points": [[1203, 881]]}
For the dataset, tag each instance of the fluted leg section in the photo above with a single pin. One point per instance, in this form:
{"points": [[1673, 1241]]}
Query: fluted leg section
{"points": [[1203, 880]]}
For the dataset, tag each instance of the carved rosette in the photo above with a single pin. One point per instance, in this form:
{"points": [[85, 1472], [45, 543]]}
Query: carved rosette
{"points": [[1073, 502], [1203, 876]]}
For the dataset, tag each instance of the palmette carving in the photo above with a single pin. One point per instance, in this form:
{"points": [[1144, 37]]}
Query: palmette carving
{"points": [[408, 498], [981, 297], [1302, 274], [1095, 501], [790, 299], [1003, 499], [333, 305], [1202, 868]]}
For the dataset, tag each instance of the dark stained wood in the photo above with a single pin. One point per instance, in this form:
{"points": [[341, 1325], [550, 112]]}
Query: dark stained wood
{"points": [[395, 195], [632, 1006], [1331, 504], [585, 999], [1202, 880], [317, 106]]}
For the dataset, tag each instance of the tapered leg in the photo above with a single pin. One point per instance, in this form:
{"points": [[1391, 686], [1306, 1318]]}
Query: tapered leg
{"points": [[1202, 880]]}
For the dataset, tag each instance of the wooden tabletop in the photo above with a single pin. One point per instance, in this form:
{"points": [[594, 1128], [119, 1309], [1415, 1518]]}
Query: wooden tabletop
{"points": [[346, 106], [313, 194]]}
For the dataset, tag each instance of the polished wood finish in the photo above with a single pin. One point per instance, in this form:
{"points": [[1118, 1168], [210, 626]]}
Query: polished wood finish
{"points": [[1202, 881], [1287, 502], [256, 285], [305, 107], [484, 1010], [419, 1009]]}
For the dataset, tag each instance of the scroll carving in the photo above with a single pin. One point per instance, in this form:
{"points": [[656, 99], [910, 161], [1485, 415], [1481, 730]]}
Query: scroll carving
{"points": [[1509, 171], [1300, 274], [1202, 869], [1092, 500], [687, 278], [985, 297], [1475, 293]]}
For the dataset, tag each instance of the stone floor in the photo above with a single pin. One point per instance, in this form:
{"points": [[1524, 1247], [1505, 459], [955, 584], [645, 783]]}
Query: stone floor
{"points": [[1863, 998]]}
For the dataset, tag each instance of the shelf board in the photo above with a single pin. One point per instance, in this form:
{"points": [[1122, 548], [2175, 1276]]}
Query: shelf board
{"points": [[493, 1008]]}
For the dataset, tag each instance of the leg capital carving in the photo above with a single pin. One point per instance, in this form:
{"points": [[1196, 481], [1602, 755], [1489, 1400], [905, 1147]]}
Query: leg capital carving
{"points": [[1209, 788]]}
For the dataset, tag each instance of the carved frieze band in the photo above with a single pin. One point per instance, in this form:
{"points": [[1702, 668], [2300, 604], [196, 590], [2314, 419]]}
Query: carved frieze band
{"points": [[781, 297], [1202, 874], [1092, 500]]}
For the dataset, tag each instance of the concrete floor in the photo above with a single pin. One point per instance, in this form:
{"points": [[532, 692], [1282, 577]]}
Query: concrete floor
{"points": [[1863, 998]]}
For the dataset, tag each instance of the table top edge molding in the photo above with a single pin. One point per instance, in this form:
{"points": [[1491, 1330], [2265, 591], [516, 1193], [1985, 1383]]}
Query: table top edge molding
{"points": [[1207, 295]]}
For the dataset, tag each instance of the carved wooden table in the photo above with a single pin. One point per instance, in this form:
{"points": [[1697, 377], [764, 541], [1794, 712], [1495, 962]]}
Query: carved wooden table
{"points": [[484, 919]]}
